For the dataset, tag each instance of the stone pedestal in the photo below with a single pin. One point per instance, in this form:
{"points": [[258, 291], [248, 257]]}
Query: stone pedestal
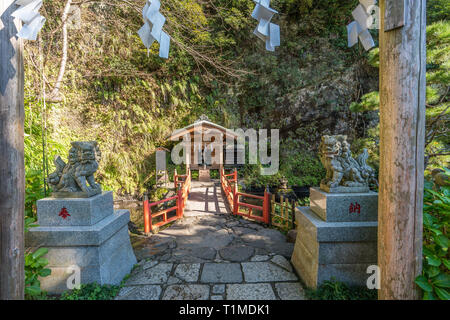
{"points": [[87, 233], [336, 237]]}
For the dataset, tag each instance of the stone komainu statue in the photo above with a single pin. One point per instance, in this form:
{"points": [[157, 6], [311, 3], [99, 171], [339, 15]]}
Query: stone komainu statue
{"points": [[344, 173], [75, 179]]}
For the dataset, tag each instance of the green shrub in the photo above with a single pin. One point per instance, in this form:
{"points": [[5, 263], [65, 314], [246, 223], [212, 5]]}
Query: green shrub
{"points": [[214, 174], [334, 290], [435, 278], [158, 194], [302, 169], [92, 291], [299, 168], [35, 265], [34, 191]]}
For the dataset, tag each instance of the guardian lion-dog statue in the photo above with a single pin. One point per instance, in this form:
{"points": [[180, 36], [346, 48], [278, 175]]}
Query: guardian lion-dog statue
{"points": [[75, 179], [344, 173]]}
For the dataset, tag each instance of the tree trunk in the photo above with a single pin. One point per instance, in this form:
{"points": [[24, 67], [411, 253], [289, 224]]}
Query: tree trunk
{"points": [[402, 138], [54, 95], [12, 177]]}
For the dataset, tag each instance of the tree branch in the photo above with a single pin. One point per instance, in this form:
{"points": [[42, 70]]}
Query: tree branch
{"points": [[54, 95]]}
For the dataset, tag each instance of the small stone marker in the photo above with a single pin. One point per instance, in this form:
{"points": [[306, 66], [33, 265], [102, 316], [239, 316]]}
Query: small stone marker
{"points": [[204, 175]]}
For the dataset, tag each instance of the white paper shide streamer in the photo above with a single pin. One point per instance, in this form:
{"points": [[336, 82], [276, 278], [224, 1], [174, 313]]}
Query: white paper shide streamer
{"points": [[359, 28], [267, 31], [28, 13], [152, 28]]}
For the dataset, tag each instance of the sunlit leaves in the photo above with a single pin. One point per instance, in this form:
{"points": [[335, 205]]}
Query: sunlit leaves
{"points": [[369, 102]]}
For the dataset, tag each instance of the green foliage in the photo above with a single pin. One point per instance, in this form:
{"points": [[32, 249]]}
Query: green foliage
{"points": [[92, 291], [437, 90], [334, 290], [33, 146], [373, 57], [302, 169], [435, 278], [252, 177], [33, 191], [158, 194], [437, 10], [30, 222], [35, 266], [369, 102]]}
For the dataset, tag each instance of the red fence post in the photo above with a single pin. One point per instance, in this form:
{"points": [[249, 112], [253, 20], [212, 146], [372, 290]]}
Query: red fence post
{"points": [[179, 203], [235, 198], [147, 217], [266, 206], [175, 179]]}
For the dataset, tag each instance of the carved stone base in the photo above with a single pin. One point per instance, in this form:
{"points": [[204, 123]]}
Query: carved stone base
{"points": [[91, 235], [342, 189], [79, 194], [79, 211], [102, 252], [326, 250]]}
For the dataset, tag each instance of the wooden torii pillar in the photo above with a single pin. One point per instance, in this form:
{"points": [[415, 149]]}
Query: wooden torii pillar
{"points": [[402, 131], [12, 172], [402, 139]]}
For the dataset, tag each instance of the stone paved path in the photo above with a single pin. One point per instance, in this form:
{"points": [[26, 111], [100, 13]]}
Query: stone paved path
{"points": [[212, 255]]}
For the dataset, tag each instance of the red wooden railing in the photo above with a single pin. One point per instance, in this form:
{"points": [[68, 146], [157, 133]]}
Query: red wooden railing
{"points": [[182, 187], [229, 187]]}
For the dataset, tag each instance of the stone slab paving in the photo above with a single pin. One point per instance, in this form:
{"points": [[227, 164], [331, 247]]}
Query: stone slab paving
{"points": [[210, 254], [290, 291], [186, 292], [221, 273], [157, 274], [237, 253], [146, 292], [187, 272], [253, 291], [266, 272]]}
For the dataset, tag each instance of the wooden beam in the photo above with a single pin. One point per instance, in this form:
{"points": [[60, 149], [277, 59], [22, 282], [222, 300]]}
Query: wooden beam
{"points": [[12, 172], [402, 138], [394, 14]]}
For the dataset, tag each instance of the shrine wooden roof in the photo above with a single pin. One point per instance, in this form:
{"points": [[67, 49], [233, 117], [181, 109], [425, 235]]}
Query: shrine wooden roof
{"points": [[203, 125]]}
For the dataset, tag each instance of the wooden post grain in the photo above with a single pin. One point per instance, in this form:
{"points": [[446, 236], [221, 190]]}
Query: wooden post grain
{"points": [[402, 137], [12, 171]]}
